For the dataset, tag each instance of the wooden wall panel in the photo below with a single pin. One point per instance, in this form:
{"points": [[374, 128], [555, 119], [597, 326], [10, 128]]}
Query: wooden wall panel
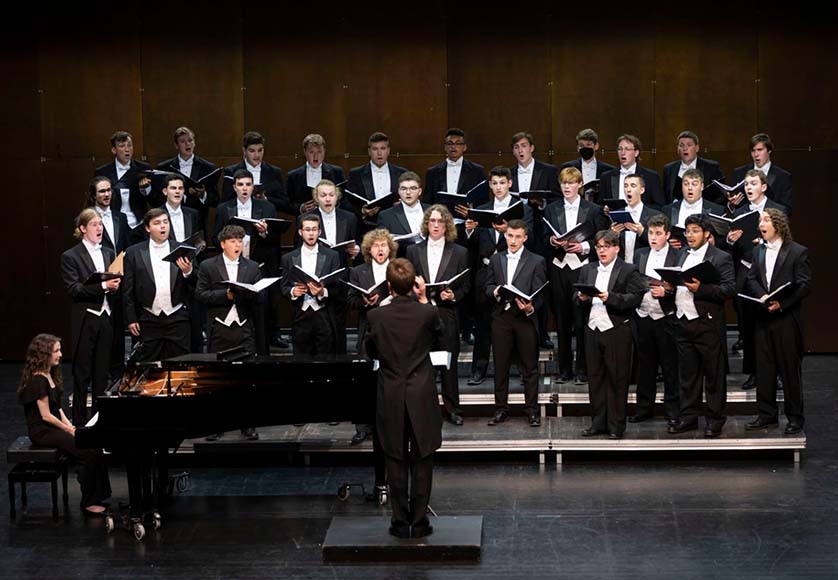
{"points": [[198, 85], [797, 94], [20, 124], [705, 82], [396, 84], [605, 82], [90, 83], [499, 84]]}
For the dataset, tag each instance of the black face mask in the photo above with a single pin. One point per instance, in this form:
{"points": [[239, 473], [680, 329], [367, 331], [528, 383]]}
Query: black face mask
{"points": [[587, 153]]}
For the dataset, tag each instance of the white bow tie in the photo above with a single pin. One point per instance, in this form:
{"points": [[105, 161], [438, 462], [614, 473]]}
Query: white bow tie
{"points": [[774, 245]]}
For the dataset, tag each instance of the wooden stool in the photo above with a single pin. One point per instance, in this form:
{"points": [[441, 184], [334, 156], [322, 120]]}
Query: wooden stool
{"points": [[29, 463]]}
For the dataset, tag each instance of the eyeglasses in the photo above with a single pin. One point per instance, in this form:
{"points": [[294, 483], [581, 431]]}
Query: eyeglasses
{"points": [[411, 188], [604, 246], [454, 143]]}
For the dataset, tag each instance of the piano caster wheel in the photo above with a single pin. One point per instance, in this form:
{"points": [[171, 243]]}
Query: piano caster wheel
{"points": [[382, 498], [156, 521], [343, 492], [182, 483], [110, 526], [139, 531]]}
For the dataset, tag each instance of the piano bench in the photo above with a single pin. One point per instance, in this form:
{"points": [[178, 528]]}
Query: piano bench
{"points": [[29, 463]]}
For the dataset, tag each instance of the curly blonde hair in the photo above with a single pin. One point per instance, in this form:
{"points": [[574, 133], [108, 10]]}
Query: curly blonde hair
{"points": [[373, 236]]}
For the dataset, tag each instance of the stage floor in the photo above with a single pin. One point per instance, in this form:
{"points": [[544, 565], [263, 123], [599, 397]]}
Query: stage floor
{"points": [[594, 516]]}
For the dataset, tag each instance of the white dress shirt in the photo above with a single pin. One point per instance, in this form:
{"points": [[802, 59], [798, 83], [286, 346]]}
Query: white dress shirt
{"points": [[330, 226], [765, 168], [176, 221], [185, 166], [381, 179], [125, 195], [434, 250], [684, 299], [379, 271], [589, 170], [651, 306], [688, 209], [256, 171], [686, 167], [623, 174], [232, 268], [107, 221], [162, 280], [525, 176], [630, 237], [414, 216], [95, 251], [245, 211], [571, 216], [772, 249], [512, 259], [599, 319], [308, 262], [453, 169], [313, 175]]}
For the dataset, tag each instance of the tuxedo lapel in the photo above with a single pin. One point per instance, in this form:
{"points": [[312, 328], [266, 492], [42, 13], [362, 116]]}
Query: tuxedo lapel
{"points": [[536, 175], [321, 264], [615, 184], [447, 252], [615, 273], [423, 261], [222, 269], [366, 179], [402, 218], [87, 260], [772, 176], [778, 265], [522, 264], [673, 178]]}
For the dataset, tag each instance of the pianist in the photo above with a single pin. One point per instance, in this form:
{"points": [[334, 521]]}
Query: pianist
{"points": [[40, 393]]}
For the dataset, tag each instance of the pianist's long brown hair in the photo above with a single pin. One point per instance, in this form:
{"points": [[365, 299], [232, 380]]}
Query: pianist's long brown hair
{"points": [[37, 361]]}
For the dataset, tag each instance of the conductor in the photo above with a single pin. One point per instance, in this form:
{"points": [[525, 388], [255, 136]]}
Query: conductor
{"points": [[408, 422]]}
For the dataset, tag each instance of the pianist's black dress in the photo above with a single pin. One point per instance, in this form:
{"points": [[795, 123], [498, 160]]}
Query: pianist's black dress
{"points": [[91, 469]]}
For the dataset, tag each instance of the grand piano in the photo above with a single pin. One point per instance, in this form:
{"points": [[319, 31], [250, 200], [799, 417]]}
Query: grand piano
{"points": [[157, 405]]}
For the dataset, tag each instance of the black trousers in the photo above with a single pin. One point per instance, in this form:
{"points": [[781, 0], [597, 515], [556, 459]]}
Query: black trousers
{"points": [[91, 363], [701, 354], [745, 321], [779, 349], [513, 333], [164, 336], [655, 342], [609, 362], [312, 333], [482, 325], [90, 464], [451, 342], [410, 481], [570, 320], [223, 337]]}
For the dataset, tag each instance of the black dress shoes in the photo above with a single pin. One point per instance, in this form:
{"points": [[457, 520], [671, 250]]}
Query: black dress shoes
{"points": [[682, 426], [793, 428], [535, 419], [761, 423], [713, 429], [615, 436], [400, 530], [737, 346], [499, 417], [250, 434], [422, 530], [468, 339], [455, 419], [639, 418], [590, 432], [671, 421], [566, 377], [477, 378], [358, 438], [581, 379], [750, 383], [547, 344]]}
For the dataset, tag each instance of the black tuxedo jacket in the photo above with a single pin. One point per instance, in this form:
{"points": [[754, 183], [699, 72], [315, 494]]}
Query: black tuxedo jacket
{"points": [[327, 261], [210, 291], [792, 265], [674, 209], [625, 290], [642, 258], [609, 187], [191, 222], [710, 298], [641, 241], [200, 168], [136, 200], [436, 179], [400, 335], [298, 190], [483, 243], [346, 228], [121, 232], [394, 220], [588, 212], [779, 184], [530, 275], [261, 249], [138, 284], [271, 182], [76, 267], [545, 177], [360, 180], [362, 277], [744, 249], [601, 166], [454, 260], [709, 169]]}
